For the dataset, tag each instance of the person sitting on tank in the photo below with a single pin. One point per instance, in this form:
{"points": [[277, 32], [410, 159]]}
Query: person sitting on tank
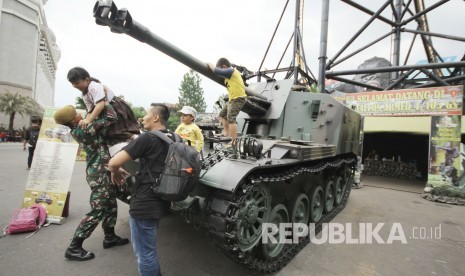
{"points": [[236, 94]]}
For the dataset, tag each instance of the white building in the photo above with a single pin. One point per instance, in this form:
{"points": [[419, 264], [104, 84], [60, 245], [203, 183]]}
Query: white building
{"points": [[28, 54]]}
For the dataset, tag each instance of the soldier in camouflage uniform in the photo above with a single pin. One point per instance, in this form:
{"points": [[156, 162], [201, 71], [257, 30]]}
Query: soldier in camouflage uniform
{"points": [[103, 196], [447, 168]]}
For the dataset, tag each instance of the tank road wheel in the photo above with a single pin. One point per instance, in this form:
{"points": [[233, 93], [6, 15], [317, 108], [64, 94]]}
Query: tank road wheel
{"points": [[347, 173], [316, 204], [329, 196], [254, 211], [278, 215], [300, 209], [341, 187]]}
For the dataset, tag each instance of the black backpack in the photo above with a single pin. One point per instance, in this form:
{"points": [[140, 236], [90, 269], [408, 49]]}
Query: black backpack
{"points": [[181, 171], [33, 137]]}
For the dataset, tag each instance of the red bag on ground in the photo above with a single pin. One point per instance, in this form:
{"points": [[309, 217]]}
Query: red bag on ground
{"points": [[27, 219]]}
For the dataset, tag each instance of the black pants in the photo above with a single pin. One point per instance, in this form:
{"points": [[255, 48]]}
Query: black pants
{"points": [[29, 158]]}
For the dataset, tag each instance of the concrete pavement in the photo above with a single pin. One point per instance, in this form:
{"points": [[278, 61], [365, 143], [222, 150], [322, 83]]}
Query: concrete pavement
{"points": [[421, 254]]}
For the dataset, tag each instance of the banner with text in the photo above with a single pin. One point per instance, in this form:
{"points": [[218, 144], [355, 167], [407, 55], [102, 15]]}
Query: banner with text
{"points": [[445, 100], [52, 168]]}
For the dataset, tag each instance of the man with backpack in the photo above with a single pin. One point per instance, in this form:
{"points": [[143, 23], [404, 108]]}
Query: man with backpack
{"points": [[145, 208], [31, 136]]}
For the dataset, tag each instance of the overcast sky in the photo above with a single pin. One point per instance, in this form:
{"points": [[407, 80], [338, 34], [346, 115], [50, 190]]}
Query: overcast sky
{"points": [[239, 30]]}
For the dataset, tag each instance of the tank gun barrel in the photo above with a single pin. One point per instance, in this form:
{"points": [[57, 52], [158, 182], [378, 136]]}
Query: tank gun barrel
{"points": [[120, 21]]}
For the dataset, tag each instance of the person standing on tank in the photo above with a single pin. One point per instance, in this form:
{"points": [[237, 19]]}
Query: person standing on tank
{"points": [[104, 207], [236, 94]]}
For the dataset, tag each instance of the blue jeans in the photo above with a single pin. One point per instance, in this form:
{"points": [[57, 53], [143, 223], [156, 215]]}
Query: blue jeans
{"points": [[144, 243]]}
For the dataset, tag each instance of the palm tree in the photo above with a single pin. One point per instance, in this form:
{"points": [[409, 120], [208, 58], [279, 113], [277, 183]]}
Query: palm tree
{"points": [[14, 103]]}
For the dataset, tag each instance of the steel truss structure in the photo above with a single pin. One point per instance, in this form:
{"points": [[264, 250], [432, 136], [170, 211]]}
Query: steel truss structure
{"points": [[405, 13], [403, 75]]}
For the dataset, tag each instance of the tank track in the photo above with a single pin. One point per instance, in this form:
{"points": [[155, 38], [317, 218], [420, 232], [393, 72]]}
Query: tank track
{"points": [[222, 215]]}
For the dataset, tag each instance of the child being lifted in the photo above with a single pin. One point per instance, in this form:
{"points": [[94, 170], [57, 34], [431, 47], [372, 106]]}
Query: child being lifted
{"points": [[95, 96]]}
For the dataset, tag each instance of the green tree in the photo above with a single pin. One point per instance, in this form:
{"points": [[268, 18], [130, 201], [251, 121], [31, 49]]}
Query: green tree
{"points": [[80, 103], [314, 88], [175, 116], [219, 103], [139, 111], [13, 104], [191, 93], [173, 121]]}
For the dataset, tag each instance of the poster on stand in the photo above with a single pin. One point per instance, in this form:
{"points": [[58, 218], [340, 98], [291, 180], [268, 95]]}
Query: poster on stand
{"points": [[52, 168], [444, 163]]}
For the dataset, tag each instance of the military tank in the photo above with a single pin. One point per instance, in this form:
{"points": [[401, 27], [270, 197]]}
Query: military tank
{"points": [[294, 161]]}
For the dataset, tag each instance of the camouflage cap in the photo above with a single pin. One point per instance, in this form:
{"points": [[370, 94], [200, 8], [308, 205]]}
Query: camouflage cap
{"points": [[65, 114]]}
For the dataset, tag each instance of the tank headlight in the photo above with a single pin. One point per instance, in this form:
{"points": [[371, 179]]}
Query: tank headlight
{"points": [[294, 153]]}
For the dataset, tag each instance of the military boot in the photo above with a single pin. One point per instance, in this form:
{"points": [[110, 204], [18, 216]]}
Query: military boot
{"points": [[111, 239], [75, 251]]}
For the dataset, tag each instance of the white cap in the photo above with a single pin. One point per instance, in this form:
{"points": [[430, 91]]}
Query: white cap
{"points": [[188, 110]]}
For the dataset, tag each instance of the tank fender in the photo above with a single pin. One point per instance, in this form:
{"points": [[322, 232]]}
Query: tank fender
{"points": [[227, 174]]}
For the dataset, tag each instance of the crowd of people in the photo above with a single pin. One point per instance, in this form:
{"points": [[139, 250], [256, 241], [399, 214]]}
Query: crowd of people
{"points": [[11, 136], [109, 121]]}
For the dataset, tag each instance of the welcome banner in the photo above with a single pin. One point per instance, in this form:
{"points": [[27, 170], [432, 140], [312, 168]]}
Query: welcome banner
{"points": [[445, 100]]}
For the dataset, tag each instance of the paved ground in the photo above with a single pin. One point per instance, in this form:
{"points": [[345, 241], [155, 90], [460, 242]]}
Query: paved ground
{"points": [[184, 251], [404, 185]]}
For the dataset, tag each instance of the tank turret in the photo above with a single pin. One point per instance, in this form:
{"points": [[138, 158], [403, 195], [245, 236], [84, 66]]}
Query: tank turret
{"points": [[293, 161]]}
